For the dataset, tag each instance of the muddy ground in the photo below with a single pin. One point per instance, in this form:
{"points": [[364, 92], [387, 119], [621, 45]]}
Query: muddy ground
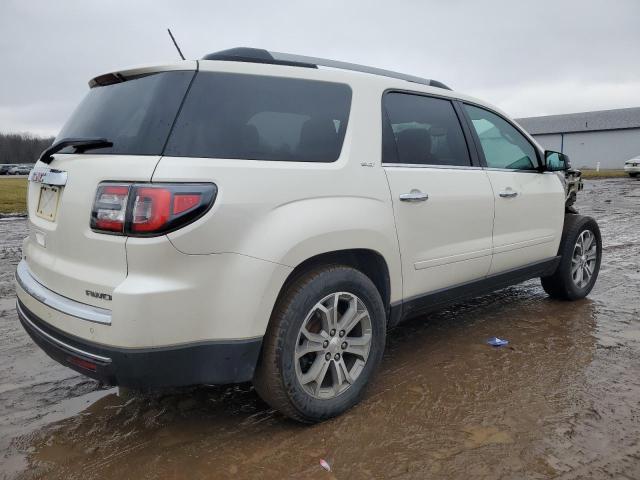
{"points": [[561, 401]]}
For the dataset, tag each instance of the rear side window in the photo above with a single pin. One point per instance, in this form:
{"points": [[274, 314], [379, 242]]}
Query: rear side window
{"points": [[255, 117], [422, 130], [135, 115], [502, 144]]}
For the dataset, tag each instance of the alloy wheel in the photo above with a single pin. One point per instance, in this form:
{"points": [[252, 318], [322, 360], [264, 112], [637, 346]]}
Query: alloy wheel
{"points": [[583, 261], [333, 345]]}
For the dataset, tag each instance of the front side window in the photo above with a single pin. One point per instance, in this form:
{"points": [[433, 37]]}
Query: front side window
{"points": [[422, 130], [503, 145], [239, 116]]}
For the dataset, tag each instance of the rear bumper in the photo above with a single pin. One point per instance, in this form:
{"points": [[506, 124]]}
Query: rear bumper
{"points": [[631, 169], [163, 297], [51, 299], [212, 362]]}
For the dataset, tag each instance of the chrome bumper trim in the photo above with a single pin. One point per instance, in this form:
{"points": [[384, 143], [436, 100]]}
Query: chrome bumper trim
{"points": [[59, 343], [29, 284]]}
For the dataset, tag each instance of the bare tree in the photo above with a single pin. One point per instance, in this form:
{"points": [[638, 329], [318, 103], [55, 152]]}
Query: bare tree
{"points": [[22, 147]]}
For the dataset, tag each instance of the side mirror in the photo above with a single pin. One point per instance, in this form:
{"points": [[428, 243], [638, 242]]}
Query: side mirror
{"points": [[556, 161]]}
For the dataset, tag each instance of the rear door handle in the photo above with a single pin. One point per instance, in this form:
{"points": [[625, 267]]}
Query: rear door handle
{"points": [[414, 196], [508, 194]]}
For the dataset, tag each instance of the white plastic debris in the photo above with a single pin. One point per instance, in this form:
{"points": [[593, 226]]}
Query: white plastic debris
{"points": [[324, 464], [497, 342]]}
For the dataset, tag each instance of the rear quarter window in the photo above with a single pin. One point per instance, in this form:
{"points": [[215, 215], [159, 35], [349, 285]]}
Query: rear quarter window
{"points": [[254, 117]]}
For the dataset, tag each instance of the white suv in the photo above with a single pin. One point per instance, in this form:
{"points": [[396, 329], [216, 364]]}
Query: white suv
{"points": [[632, 166], [257, 216]]}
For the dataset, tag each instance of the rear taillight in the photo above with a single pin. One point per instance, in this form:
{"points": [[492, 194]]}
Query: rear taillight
{"points": [[110, 207], [149, 209]]}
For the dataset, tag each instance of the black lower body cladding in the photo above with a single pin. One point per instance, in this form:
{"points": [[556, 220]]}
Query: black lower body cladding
{"points": [[218, 362]]}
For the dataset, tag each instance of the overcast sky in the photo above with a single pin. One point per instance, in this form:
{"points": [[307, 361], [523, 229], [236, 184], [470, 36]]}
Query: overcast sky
{"points": [[529, 58]]}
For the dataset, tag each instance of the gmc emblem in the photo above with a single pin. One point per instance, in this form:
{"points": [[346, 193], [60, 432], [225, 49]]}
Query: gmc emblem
{"points": [[37, 175], [101, 296]]}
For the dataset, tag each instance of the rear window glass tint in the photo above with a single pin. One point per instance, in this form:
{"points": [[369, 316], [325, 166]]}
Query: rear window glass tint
{"points": [[422, 130], [255, 117], [135, 115]]}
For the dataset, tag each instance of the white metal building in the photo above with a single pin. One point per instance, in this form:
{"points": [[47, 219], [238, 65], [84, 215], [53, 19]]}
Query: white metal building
{"points": [[606, 136]]}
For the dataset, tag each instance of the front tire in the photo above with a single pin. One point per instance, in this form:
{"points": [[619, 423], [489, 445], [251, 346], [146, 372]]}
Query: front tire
{"points": [[633, 175], [324, 343], [581, 254]]}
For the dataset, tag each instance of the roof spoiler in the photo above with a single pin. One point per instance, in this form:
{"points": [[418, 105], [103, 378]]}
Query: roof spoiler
{"points": [[131, 73]]}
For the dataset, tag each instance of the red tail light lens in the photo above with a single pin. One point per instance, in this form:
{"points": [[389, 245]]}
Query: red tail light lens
{"points": [[149, 209], [184, 202]]}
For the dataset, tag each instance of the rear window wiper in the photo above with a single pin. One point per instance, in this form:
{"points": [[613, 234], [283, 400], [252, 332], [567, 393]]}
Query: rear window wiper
{"points": [[80, 144]]}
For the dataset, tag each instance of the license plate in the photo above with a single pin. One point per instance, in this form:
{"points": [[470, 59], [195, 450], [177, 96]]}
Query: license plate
{"points": [[48, 202]]}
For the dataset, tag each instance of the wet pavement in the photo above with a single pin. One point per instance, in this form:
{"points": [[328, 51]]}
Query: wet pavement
{"points": [[562, 400]]}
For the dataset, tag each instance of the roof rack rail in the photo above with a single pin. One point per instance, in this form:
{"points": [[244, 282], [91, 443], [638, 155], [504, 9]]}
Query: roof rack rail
{"points": [[258, 55]]}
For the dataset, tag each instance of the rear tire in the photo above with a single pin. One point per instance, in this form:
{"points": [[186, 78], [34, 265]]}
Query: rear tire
{"points": [[633, 175], [303, 321], [581, 254]]}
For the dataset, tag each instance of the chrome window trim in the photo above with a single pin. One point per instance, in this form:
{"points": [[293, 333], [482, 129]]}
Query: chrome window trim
{"points": [[512, 170], [438, 167], [35, 289], [460, 167], [60, 343]]}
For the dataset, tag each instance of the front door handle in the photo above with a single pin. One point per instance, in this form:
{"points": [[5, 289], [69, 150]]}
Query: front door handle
{"points": [[414, 196], [508, 194]]}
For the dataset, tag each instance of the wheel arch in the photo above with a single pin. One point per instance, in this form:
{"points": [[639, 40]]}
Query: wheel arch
{"points": [[367, 261]]}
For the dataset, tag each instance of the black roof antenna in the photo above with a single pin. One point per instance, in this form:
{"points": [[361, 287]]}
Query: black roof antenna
{"points": [[175, 43]]}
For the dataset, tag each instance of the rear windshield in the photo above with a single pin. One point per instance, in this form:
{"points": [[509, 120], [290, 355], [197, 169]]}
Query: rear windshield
{"points": [[229, 115], [136, 115]]}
